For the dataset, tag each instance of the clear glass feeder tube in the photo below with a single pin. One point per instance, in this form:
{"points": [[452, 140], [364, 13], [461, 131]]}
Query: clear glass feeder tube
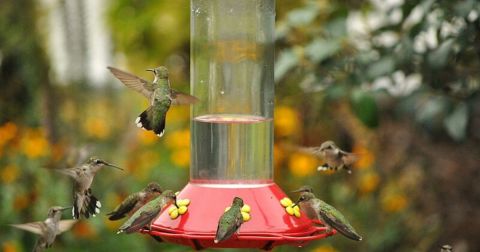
{"points": [[231, 65]]}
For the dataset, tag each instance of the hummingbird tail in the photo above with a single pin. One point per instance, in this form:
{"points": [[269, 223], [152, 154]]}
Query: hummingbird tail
{"points": [[146, 121], [89, 207]]}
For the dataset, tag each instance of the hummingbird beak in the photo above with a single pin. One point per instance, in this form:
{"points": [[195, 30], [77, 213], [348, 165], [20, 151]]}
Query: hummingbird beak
{"points": [[299, 190], [296, 203], [175, 201], [150, 70], [111, 165], [66, 208]]}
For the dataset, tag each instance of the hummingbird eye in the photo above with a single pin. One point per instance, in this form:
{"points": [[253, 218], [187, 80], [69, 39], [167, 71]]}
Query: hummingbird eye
{"points": [[97, 161]]}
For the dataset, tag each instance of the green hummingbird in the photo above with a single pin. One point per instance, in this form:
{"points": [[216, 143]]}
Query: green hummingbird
{"points": [[334, 157], [84, 202], [317, 209], [147, 213], [230, 221], [158, 92], [48, 229], [134, 201]]}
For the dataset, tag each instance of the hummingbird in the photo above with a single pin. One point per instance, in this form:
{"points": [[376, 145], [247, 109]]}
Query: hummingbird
{"points": [[317, 209], [84, 202], [148, 212], [334, 157], [158, 92], [134, 201], [230, 221], [47, 229]]}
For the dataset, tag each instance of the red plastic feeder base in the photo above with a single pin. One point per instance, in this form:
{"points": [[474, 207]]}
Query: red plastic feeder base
{"points": [[269, 226]]}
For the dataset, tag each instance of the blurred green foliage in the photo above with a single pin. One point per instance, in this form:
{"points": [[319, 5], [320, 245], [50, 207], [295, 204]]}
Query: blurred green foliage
{"points": [[394, 81]]}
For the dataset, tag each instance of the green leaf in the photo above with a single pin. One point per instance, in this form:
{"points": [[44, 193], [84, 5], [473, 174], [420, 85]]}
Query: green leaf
{"points": [[430, 110], [439, 57], [286, 61], [320, 49], [337, 27], [365, 107], [382, 67], [456, 122]]}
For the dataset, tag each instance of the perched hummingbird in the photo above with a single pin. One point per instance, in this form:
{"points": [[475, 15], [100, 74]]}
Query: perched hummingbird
{"points": [[334, 157], [134, 201], [160, 95], [84, 202], [317, 209], [48, 229], [230, 221], [147, 213]]}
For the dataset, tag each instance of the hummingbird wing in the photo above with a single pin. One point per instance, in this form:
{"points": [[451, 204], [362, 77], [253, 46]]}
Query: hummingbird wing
{"points": [[336, 220], [309, 150], [180, 98], [65, 225], [35, 227], [348, 158], [227, 226], [132, 81], [141, 221], [71, 172], [124, 208]]}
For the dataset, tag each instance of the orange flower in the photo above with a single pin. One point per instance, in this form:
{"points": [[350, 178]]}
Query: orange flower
{"points": [[9, 173], [394, 202], [9, 246], [96, 127], [7, 132], [84, 230], [286, 121], [366, 157], [178, 114], [147, 137], [181, 157], [178, 139], [35, 144], [302, 165], [368, 182]]}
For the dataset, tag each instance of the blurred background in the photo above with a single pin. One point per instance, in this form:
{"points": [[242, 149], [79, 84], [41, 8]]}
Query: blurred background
{"points": [[396, 82]]}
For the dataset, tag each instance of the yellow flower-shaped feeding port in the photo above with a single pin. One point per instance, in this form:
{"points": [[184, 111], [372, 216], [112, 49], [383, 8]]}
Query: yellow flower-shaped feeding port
{"points": [[287, 203], [182, 208], [245, 212]]}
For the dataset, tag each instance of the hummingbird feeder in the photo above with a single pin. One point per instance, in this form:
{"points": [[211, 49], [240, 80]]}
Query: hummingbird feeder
{"points": [[231, 63]]}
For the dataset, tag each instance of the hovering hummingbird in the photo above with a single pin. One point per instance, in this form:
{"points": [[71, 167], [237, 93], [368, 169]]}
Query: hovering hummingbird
{"points": [[47, 229], [160, 95], [147, 213], [317, 209], [84, 202], [230, 221], [134, 201], [334, 157]]}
